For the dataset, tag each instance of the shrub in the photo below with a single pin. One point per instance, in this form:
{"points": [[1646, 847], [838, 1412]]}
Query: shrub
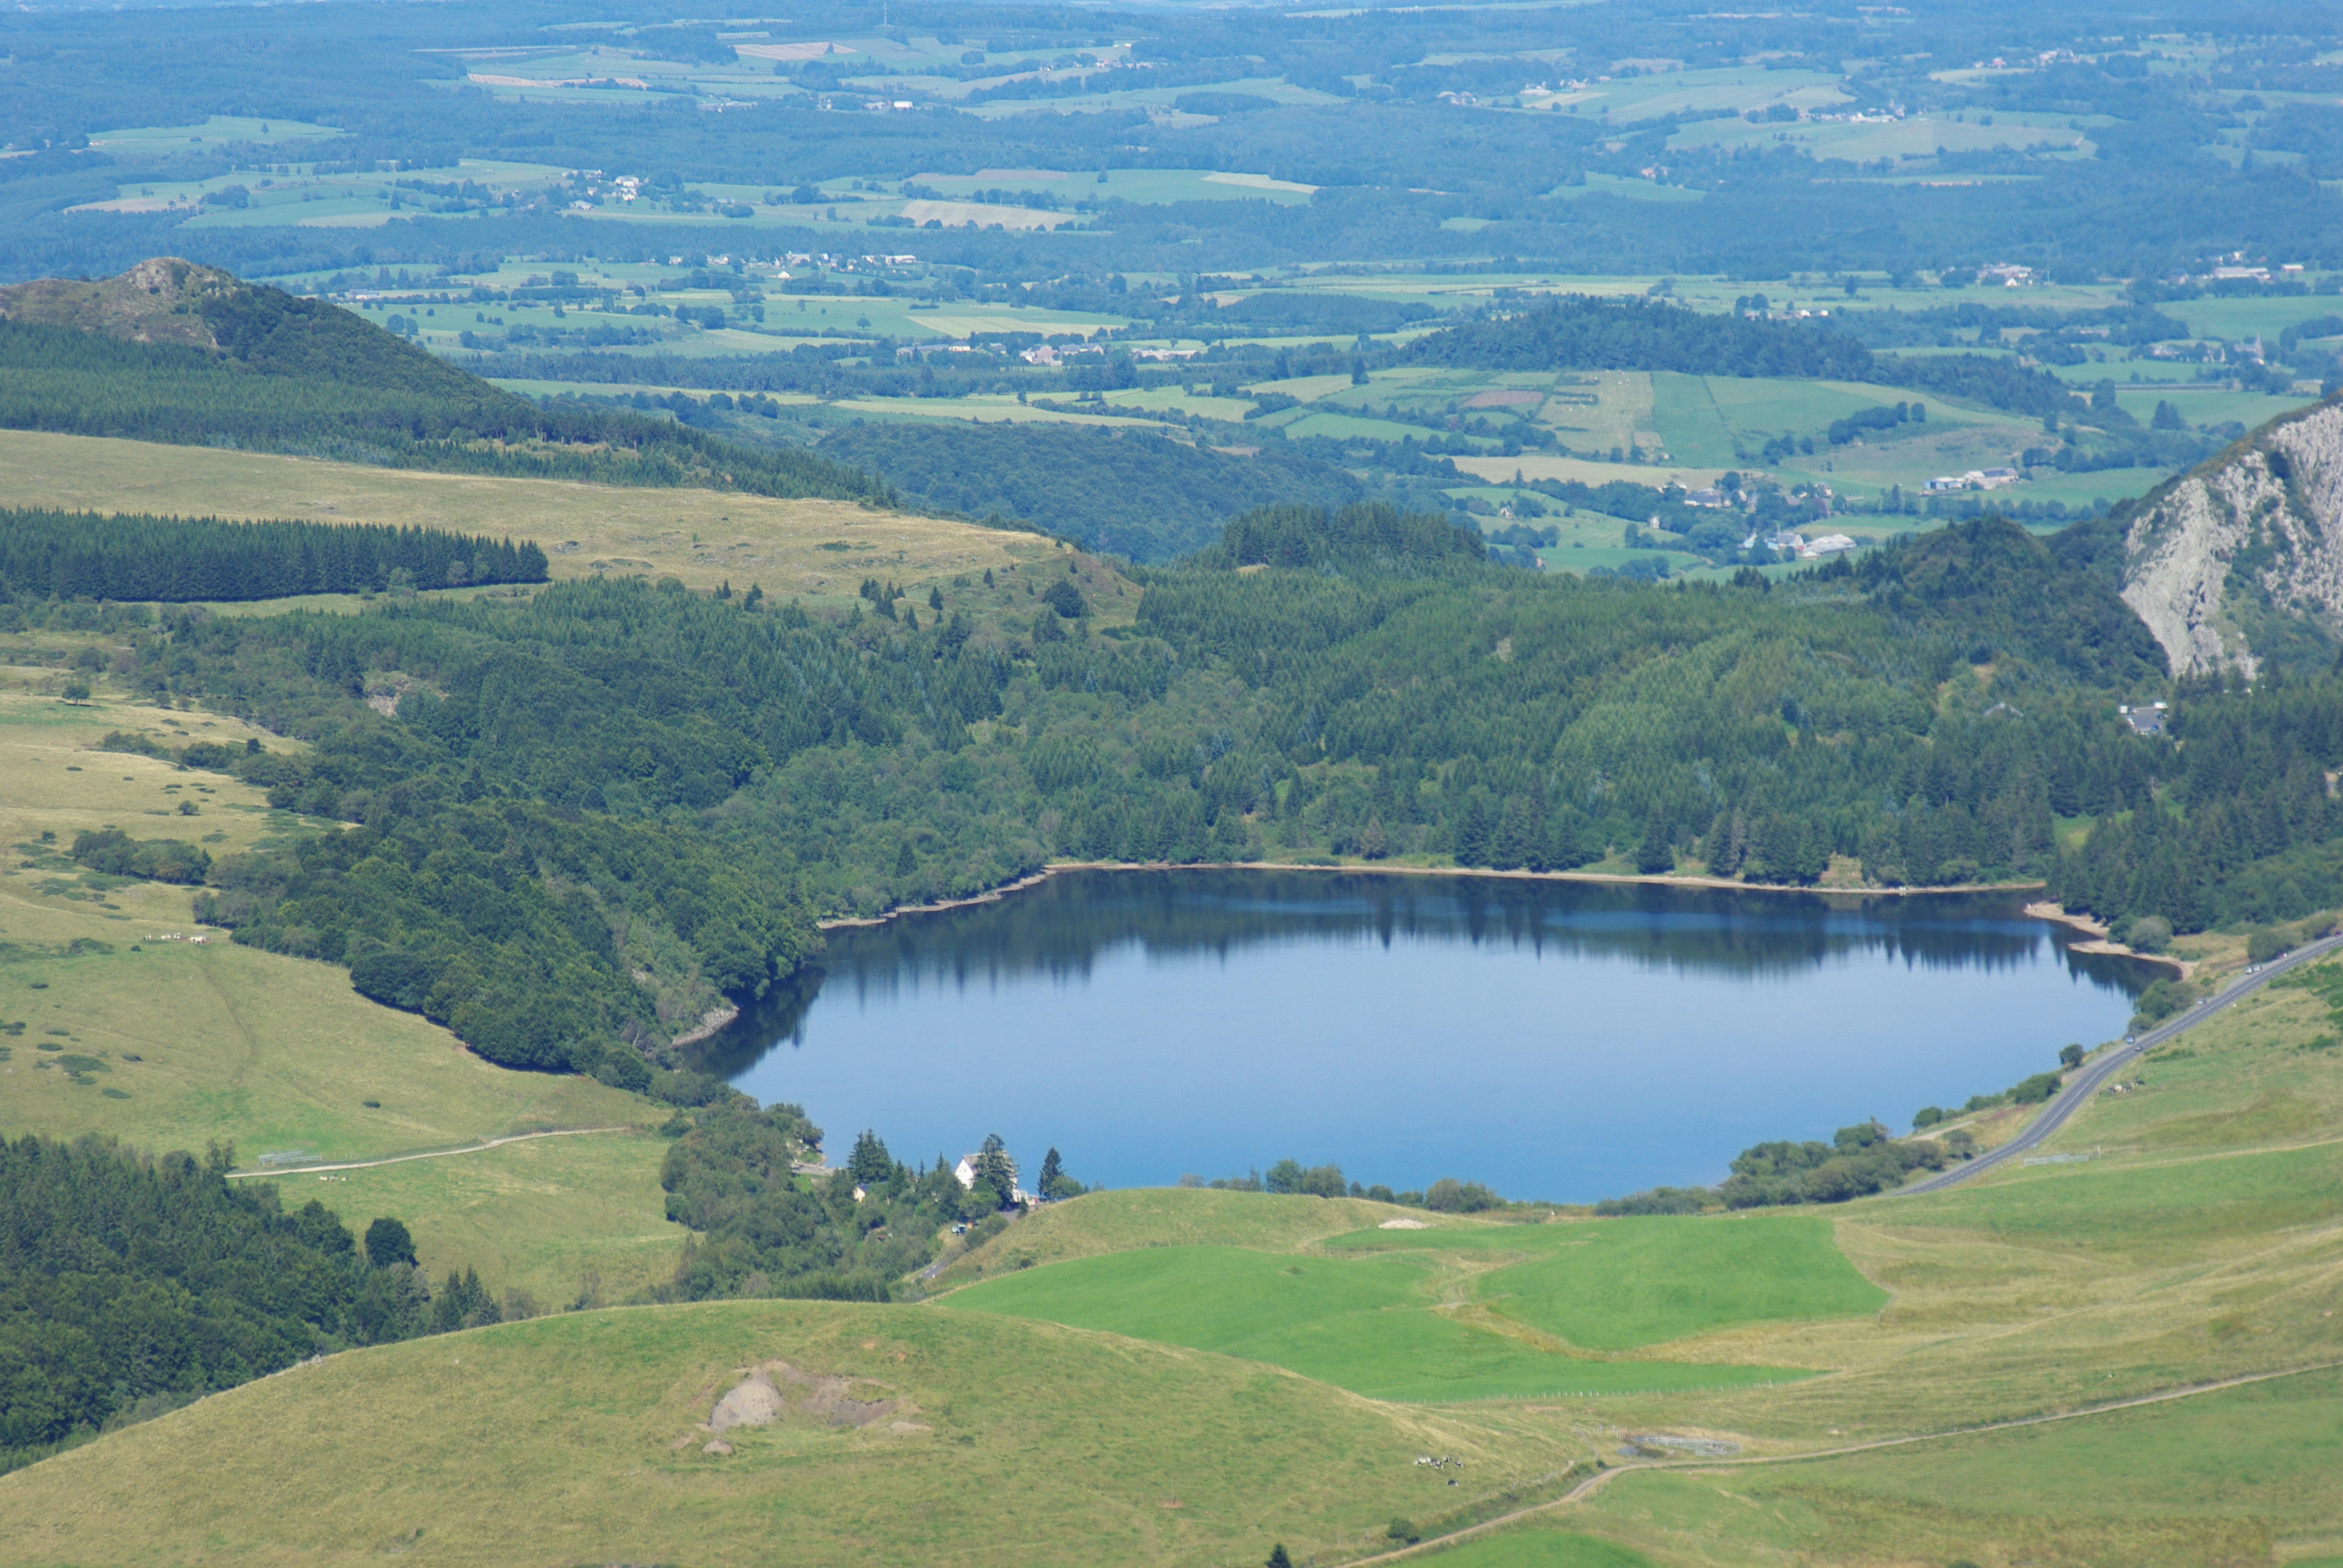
{"points": [[1659, 1200], [2262, 946], [2161, 1001], [2035, 1090], [115, 853], [1450, 1196]]}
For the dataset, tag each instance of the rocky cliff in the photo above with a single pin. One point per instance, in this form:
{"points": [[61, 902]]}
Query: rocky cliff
{"points": [[2239, 562]]}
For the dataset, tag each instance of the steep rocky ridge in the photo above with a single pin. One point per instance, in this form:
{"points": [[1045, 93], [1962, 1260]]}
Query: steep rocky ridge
{"points": [[2238, 563]]}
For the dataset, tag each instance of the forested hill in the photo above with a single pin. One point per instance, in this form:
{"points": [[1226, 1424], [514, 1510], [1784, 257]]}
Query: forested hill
{"points": [[1137, 495], [1581, 332], [178, 353], [596, 809]]}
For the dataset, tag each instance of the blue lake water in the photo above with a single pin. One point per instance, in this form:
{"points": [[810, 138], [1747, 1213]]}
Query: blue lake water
{"points": [[1556, 1040]]}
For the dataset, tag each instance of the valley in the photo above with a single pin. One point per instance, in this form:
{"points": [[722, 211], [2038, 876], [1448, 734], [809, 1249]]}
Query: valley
{"points": [[1524, 787]]}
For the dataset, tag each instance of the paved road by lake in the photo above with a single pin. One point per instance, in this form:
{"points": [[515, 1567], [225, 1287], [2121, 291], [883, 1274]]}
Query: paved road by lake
{"points": [[2088, 1080]]}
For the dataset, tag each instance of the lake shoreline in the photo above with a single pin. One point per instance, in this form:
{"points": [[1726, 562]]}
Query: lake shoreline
{"points": [[1713, 884], [2100, 942]]}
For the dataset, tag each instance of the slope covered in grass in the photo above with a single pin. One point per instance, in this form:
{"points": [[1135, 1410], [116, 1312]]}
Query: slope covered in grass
{"points": [[982, 1440]]}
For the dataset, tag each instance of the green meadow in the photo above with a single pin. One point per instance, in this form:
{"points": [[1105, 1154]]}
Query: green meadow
{"points": [[1624, 1284], [1461, 1312]]}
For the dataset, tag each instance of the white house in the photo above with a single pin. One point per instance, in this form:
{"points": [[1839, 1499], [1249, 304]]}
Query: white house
{"points": [[966, 1172]]}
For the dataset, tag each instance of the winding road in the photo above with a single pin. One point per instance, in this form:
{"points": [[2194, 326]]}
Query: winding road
{"points": [[2093, 1075]]}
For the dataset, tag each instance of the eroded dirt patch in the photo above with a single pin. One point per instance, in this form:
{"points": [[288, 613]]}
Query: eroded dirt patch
{"points": [[777, 1393]]}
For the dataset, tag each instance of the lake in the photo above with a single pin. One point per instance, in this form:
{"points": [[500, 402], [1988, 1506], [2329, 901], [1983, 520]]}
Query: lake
{"points": [[1564, 1041]]}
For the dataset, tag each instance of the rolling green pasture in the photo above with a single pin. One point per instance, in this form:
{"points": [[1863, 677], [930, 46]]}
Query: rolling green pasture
{"points": [[203, 1041], [2208, 404], [819, 549], [1145, 186], [1457, 1311], [1158, 99], [559, 1218], [1369, 1324], [1627, 1284], [2250, 315], [1118, 1221], [1540, 1546]]}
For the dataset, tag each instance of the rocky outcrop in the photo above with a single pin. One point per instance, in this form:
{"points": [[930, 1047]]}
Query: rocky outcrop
{"points": [[2245, 553], [158, 301]]}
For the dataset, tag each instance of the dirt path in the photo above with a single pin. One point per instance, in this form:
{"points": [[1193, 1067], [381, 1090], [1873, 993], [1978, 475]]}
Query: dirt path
{"points": [[1595, 1482], [427, 1154]]}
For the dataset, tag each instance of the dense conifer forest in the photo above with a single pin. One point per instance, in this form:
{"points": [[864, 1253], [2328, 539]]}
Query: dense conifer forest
{"points": [[173, 561], [130, 1285]]}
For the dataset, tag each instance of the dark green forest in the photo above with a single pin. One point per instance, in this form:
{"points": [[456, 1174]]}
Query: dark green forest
{"points": [[130, 1285], [173, 560]]}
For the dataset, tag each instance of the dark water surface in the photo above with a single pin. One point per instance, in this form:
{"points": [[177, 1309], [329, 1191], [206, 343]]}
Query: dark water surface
{"points": [[1556, 1040]]}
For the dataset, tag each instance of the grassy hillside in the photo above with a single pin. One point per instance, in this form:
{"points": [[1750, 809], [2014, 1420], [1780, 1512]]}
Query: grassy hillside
{"points": [[194, 1043], [2237, 1476], [703, 536], [1104, 1223], [573, 1438]]}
